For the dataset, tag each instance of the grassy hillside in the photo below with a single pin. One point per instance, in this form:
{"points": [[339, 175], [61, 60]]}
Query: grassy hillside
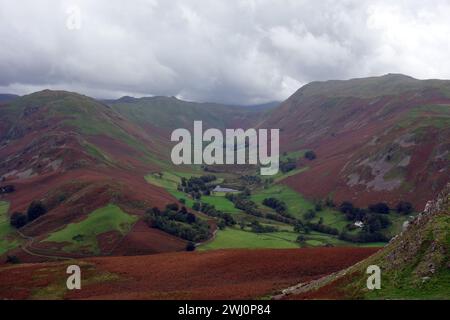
{"points": [[8, 237], [83, 236], [171, 113], [415, 265]]}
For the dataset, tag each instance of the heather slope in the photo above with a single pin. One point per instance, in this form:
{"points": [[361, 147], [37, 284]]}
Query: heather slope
{"points": [[377, 139]]}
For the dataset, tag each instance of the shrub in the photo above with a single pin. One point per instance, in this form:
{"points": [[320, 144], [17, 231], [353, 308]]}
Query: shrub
{"points": [[404, 207], [12, 259], [310, 155], [288, 165], [190, 246], [35, 210], [18, 220]]}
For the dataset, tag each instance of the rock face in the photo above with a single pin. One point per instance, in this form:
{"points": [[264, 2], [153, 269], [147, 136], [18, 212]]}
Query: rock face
{"points": [[415, 264]]}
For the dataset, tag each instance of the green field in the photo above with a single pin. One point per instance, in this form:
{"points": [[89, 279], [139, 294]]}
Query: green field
{"points": [[170, 181], [233, 238], [8, 237], [284, 238], [82, 236], [296, 203]]}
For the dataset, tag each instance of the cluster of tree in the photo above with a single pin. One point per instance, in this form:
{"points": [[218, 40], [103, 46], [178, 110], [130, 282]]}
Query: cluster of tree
{"points": [[35, 210], [276, 204], [259, 228], [380, 207], [288, 165], [354, 213], [280, 218], [241, 201], [225, 219], [320, 227], [310, 155], [374, 220], [178, 222], [197, 186], [7, 189]]}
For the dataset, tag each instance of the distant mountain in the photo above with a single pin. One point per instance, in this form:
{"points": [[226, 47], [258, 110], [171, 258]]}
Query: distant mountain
{"points": [[169, 113], [376, 139], [415, 264], [6, 97]]}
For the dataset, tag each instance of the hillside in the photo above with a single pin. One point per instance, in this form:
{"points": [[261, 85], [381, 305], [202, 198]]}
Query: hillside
{"points": [[220, 274], [415, 264], [376, 139], [76, 155], [169, 113]]}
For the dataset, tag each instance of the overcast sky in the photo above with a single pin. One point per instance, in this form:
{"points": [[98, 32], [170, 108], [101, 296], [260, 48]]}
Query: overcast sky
{"points": [[240, 52]]}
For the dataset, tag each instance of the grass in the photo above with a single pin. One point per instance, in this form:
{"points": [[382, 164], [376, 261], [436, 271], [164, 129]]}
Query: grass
{"points": [[170, 181], [232, 238], [437, 116], [296, 203], [83, 235], [8, 237], [331, 218]]}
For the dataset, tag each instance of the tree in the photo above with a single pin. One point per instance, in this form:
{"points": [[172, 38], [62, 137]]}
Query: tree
{"points": [[309, 215], [35, 210], [380, 207], [18, 220], [346, 207], [301, 239], [404, 207], [172, 206], [318, 206], [197, 206], [190, 246]]}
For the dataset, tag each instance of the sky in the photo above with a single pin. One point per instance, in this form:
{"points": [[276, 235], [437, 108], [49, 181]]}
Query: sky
{"points": [[227, 51]]}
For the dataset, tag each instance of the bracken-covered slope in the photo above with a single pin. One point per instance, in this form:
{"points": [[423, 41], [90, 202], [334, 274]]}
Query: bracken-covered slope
{"points": [[414, 265], [219, 274], [376, 139], [76, 155]]}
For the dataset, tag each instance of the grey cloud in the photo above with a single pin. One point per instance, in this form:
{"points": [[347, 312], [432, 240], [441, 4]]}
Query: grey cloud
{"points": [[226, 51]]}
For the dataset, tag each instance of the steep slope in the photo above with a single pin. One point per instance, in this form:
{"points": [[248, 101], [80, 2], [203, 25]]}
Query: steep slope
{"points": [[415, 264], [377, 139], [76, 155]]}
